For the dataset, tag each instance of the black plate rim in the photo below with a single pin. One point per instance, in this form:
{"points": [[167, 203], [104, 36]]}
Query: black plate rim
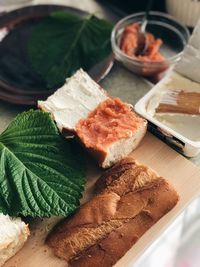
{"points": [[12, 17]]}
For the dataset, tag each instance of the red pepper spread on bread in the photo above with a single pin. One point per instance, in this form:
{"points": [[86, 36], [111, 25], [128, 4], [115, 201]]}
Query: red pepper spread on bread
{"points": [[110, 121]]}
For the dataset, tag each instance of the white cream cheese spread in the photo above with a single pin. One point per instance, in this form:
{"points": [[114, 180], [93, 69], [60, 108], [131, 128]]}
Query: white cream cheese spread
{"points": [[74, 101]]}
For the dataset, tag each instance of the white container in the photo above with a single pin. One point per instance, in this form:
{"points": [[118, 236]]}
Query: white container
{"points": [[181, 143], [184, 77], [186, 11]]}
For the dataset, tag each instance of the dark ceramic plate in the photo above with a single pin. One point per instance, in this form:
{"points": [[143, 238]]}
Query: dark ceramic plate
{"points": [[26, 89]]}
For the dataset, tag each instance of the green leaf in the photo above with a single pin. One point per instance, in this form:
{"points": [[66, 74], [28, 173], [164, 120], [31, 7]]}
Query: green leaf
{"points": [[63, 43], [41, 174]]}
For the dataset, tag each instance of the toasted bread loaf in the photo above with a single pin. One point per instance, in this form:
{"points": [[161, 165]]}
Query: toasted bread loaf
{"points": [[13, 235], [130, 199]]}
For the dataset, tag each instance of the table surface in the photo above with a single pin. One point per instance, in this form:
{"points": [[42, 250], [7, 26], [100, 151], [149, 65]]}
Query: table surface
{"points": [[120, 82], [129, 87]]}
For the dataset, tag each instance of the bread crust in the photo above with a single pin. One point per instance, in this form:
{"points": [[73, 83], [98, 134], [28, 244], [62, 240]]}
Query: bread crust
{"points": [[111, 248], [130, 199]]}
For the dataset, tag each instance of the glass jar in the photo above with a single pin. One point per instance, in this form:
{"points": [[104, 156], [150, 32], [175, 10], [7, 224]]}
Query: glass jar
{"points": [[163, 26]]}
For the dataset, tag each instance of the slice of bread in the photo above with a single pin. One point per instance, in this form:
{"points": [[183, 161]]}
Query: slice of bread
{"points": [[13, 235], [74, 101], [81, 98], [111, 131]]}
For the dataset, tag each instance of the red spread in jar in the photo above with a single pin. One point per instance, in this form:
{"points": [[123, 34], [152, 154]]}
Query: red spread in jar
{"points": [[110, 121], [129, 44]]}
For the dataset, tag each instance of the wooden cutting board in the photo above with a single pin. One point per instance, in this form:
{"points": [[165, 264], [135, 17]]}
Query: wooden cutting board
{"points": [[179, 171]]}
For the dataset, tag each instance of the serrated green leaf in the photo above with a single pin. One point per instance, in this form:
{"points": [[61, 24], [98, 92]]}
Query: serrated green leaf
{"points": [[63, 43], [41, 174]]}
